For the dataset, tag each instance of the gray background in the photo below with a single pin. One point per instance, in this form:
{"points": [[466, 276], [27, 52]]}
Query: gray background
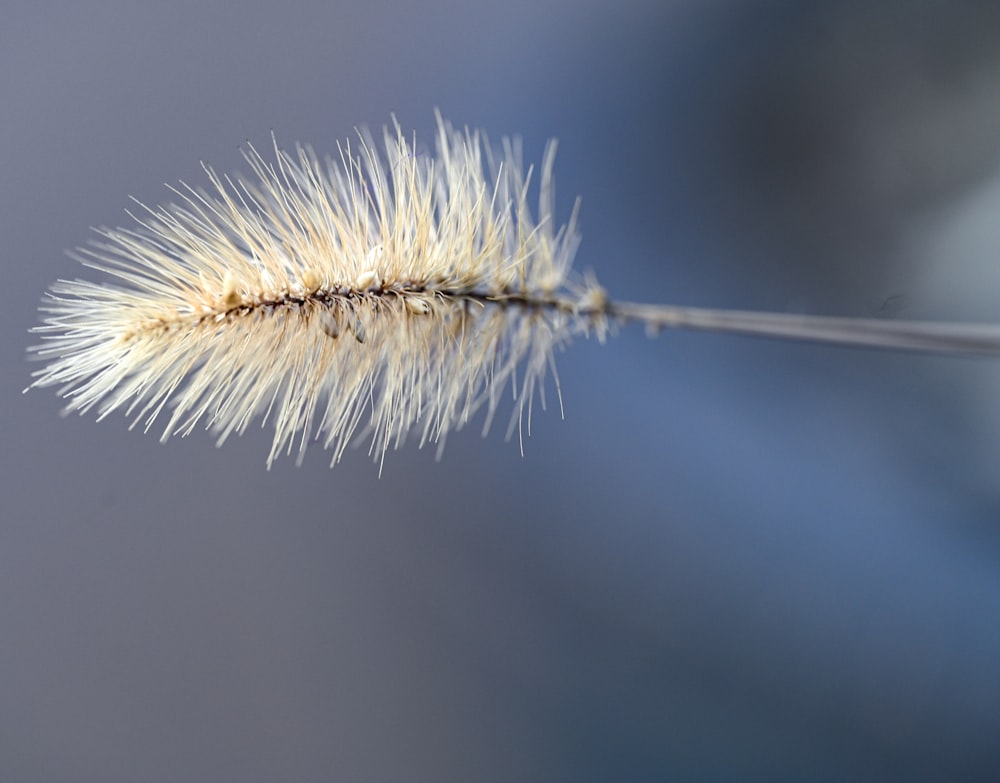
{"points": [[734, 560]]}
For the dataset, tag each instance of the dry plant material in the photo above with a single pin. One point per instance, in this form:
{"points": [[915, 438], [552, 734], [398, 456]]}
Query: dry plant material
{"points": [[386, 293]]}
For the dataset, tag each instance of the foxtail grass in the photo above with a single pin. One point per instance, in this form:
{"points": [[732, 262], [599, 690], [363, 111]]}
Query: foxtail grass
{"points": [[387, 293]]}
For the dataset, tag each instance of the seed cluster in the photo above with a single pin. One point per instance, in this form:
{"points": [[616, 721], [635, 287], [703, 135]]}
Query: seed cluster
{"points": [[384, 293]]}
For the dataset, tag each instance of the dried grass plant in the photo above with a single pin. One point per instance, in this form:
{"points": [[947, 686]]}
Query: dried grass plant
{"points": [[386, 293]]}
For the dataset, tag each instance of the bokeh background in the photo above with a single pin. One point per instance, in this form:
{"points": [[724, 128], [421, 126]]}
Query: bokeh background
{"points": [[734, 560]]}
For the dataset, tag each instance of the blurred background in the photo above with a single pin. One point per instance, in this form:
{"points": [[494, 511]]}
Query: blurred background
{"points": [[734, 560]]}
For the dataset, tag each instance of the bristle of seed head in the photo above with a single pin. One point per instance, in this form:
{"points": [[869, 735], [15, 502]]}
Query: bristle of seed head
{"points": [[436, 264]]}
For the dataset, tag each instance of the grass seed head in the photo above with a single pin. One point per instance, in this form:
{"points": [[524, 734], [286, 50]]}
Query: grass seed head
{"points": [[387, 292]]}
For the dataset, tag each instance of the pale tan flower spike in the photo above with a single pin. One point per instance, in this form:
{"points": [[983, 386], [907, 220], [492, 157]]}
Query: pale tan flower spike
{"points": [[387, 293]]}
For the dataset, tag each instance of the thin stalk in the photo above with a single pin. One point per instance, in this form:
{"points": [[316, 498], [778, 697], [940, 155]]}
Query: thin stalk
{"points": [[925, 336]]}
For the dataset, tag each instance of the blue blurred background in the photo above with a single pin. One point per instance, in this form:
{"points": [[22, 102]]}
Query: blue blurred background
{"points": [[734, 560]]}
